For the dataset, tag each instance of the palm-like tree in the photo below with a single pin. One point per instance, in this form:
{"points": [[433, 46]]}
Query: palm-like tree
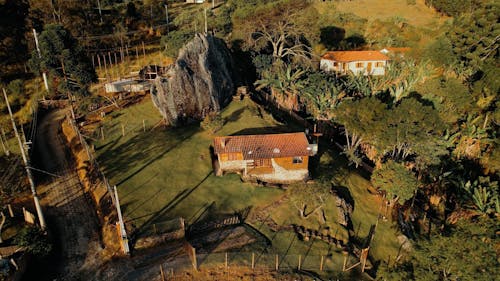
{"points": [[285, 84]]}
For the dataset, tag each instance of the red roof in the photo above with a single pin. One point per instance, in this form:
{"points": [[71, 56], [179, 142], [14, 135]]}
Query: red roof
{"points": [[264, 146], [348, 56]]}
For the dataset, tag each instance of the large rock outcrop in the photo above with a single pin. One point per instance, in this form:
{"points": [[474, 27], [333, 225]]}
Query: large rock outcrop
{"points": [[201, 81]]}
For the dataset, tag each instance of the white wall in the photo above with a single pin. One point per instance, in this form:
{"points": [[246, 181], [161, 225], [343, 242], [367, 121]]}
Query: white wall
{"points": [[328, 66]]}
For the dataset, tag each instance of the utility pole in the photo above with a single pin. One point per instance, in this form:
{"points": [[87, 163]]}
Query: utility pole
{"points": [[123, 232], [166, 15], [206, 26], [99, 7], [26, 166], [44, 73]]}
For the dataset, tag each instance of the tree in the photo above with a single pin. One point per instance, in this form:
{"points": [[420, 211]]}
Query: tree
{"points": [[321, 95], [64, 59], [212, 123], [466, 252], [309, 199], [285, 84], [13, 47], [396, 180], [34, 240], [273, 26], [362, 120], [475, 39]]}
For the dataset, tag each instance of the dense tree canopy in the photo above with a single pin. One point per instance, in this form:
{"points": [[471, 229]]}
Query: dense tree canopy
{"points": [[64, 59]]}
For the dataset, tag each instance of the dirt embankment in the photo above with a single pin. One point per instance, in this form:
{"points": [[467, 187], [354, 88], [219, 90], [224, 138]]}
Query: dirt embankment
{"points": [[94, 184]]}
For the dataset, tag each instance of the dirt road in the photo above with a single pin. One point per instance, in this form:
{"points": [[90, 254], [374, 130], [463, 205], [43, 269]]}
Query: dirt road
{"points": [[70, 216]]}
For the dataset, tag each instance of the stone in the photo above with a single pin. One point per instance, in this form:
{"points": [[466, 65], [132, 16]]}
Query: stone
{"points": [[200, 81]]}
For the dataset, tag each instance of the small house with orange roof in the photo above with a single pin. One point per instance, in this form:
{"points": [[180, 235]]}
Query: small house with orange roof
{"points": [[356, 62], [271, 158]]}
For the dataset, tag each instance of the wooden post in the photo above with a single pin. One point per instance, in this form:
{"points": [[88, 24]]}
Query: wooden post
{"points": [[345, 260], [99, 61], [253, 260], [116, 59], [144, 125], [226, 260], [277, 263], [11, 213], [143, 50], [105, 67], [161, 273], [363, 257], [300, 262], [110, 61], [123, 130], [321, 263], [154, 228], [102, 133], [4, 146]]}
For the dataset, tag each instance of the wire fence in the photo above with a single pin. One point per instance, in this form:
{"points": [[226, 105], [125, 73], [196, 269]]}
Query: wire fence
{"points": [[235, 265]]}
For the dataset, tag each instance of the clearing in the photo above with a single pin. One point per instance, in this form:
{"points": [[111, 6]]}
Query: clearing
{"points": [[418, 14], [165, 173]]}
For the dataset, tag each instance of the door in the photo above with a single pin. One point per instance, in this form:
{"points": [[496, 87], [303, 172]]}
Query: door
{"points": [[369, 67]]}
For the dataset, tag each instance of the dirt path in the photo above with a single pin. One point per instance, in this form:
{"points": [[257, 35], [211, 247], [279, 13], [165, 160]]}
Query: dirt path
{"points": [[70, 217]]}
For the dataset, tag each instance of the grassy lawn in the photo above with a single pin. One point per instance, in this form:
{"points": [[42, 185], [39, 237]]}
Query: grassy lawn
{"points": [[418, 15], [162, 174]]}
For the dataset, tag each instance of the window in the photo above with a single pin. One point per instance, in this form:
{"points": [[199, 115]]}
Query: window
{"points": [[297, 160], [262, 163], [335, 64], [379, 64], [359, 65]]}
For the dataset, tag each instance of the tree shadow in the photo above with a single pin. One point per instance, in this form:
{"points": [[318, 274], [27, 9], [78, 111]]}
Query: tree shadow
{"points": [[140, 151], [263, 130], [331, 36], [235, 116], [160, 215]]}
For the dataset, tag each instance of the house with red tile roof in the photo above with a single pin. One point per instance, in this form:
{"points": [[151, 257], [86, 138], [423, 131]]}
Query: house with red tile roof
{"points": [[272, 158], [356, 62]]}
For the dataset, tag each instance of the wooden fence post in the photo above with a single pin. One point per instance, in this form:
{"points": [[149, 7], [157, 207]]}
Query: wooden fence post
{"points": [[253, 260], [144, 125], [123, 130], [162, 274], [11, 213], [102, 133], [300, 262], [277, 261], [321, 263], [226, 260]]}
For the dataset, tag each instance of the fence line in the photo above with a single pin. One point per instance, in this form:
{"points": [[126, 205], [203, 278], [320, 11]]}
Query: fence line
{"points": [[92, 159]]}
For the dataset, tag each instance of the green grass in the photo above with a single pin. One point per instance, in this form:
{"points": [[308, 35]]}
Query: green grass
{"points": [[165, 173]]}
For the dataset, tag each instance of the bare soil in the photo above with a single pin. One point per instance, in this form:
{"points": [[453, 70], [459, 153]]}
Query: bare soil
{"points": [[70, 217]]}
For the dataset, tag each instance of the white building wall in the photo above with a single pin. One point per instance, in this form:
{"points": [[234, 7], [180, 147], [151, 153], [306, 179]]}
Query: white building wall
{"points": [[328, 66]]}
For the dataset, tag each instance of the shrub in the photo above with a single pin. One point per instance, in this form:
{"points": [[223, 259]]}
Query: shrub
{"points": [[212, 123]]}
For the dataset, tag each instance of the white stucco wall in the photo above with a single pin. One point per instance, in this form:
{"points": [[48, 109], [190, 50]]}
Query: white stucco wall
{"points": [[328, 66]]}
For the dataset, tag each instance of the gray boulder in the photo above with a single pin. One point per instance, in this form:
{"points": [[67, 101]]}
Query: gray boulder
{"points": [[199, 82]]}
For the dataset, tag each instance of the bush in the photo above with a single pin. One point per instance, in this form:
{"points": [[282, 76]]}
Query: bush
{"points": [[35, 241], [212, 123]]}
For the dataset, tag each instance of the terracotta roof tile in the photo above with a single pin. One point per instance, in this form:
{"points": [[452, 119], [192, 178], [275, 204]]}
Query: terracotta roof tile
{"points": [[264, 146], [347, 56]]}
